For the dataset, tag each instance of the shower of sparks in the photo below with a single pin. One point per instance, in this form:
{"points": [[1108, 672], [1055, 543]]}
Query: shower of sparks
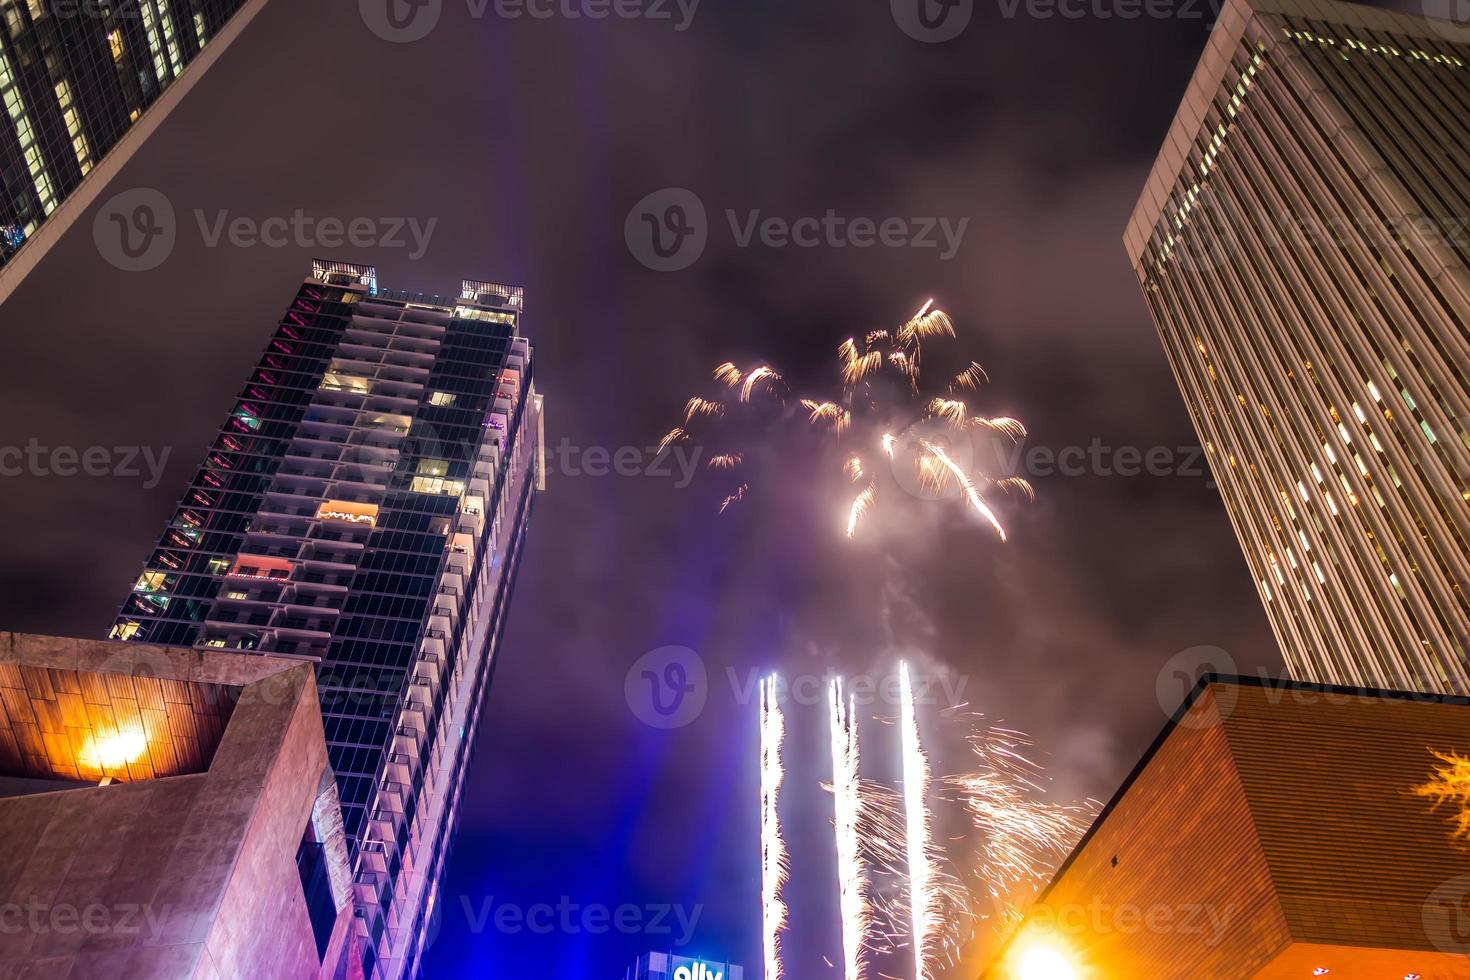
{"points": [[899, 891], [1451, 784], [881, 383], [852, 871], [924, 924], [773, 848], [1025, 835]]}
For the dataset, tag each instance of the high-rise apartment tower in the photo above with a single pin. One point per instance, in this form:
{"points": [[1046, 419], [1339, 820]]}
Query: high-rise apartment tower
{"points": [[364, 506], [1304, 246], [82, 84]]}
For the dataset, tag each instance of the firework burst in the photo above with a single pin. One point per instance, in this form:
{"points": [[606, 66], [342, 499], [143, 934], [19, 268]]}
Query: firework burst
{"points": [[881, 392]]}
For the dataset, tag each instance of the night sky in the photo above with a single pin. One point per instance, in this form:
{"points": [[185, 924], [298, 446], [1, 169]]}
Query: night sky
{"points": [[527, 142]]}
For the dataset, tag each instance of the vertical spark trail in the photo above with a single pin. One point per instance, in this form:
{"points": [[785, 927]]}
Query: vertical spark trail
{"points": [[852, 872], [922, 905], [773, 847]]}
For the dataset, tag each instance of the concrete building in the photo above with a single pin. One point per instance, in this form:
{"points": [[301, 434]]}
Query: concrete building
{"points": [[82, 85], [168, 813], [1273, 831], [1303, 246], [364, 506]]}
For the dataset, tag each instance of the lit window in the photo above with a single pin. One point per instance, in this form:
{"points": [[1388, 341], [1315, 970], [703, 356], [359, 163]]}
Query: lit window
{"points": [[433, 467], [441, 398], [348, 511], [218, 566], [150, 582], [126, 631], [397, 423], [434, 484], [116, 40], [73, 127], [337, 381]]}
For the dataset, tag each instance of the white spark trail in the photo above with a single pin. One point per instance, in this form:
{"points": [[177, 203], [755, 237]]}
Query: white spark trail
{"points": [[852, 869], [923, 908], [774, 866]]}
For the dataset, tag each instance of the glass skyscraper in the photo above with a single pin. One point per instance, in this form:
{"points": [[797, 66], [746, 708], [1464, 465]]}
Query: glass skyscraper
{"points": [[75, 77], [1304, 246], [365, 505]]}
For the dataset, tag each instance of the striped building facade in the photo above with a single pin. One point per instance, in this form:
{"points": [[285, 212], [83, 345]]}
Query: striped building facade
{"points": [[1303, 244]]}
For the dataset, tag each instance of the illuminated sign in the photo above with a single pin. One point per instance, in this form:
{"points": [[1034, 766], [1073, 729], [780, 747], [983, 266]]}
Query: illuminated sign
{"points": [[667, 966], [683, 968], [698, 971]]}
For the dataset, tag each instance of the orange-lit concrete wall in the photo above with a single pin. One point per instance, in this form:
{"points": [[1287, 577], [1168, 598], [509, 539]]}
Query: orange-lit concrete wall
{"points": [[1271, 832], [1190, 893], [180, 878]]}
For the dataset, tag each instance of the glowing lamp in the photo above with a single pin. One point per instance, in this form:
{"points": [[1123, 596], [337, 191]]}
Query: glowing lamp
{"points": [[114, 751], [1043, 962]]}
